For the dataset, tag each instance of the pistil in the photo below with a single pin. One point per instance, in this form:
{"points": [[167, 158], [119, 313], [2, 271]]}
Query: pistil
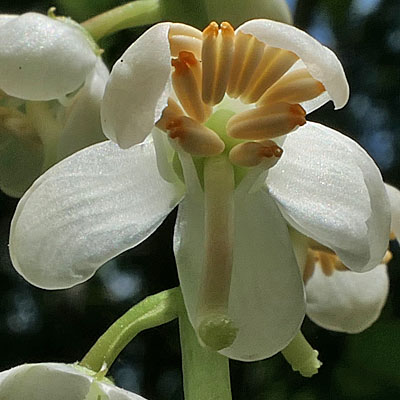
{"points": [[215, 327]]}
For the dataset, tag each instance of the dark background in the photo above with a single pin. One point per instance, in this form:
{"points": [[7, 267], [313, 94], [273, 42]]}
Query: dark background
{"points": [[38, 325]]}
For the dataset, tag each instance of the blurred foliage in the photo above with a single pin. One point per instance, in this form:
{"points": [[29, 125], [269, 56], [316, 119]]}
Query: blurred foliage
{"points": [[36, 325]]}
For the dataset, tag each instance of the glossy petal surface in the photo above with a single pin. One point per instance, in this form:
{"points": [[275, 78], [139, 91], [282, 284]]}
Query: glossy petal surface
{"points": [[266, 299], [86, 210], [42, 58], [347, 301], [328, 188], [394, 198], [137, 90]]}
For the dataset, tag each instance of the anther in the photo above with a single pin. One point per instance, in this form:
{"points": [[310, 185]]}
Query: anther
{"points": [[217, 54], [247, 55], [266, 122], [295, 87], [251, 154], [172, 111], [186, 80], [184, 38], [193, 137], [273, 65]]}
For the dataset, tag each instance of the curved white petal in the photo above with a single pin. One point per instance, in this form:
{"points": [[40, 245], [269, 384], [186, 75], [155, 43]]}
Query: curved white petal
{"points": [[321, 62], [83, 125], [394, 198], [42, 58], [266, 298], [87, 209], [328, 188], [4, 18], [56, 381], [138, 88], [347, 301]]}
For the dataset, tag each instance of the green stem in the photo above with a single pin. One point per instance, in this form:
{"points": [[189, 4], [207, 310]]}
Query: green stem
{"points": [[153, 311], [205, 372], [301, 356], [135, 13]]}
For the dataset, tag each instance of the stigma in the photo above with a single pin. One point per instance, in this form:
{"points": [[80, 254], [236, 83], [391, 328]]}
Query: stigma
{"points": [[218, 62]]}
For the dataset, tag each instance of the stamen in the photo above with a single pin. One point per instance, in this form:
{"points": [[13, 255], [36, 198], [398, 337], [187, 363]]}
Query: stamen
{"points": [[266, 122], [294, 87], [388, 256], [215, 327], [186, 80], [247, 55], [274, 64], [15, 122], [185, 38], [251, 154], [194, 137], [217, 55], [309, 266], [170, 112]]}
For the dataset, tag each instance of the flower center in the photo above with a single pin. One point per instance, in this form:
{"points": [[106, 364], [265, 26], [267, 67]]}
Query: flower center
{"points": [[269, 83]]}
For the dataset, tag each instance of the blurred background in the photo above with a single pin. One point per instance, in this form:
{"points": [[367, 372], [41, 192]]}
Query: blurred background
{"points": [[38, 325]]}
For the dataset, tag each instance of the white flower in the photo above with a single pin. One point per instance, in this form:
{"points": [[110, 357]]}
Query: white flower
{"points": [[45, 62], [341, 300], [56, 381], [240, 280]]}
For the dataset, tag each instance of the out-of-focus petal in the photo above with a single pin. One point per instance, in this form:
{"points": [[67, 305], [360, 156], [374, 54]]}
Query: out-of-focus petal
{"points": [[138, 88], [266, 299], [87, 209], [328, 188], [56, 381], [394, 198], [21, 162], [347, 301], [83, 125], [321, 62], [42, 58], [4, 18]]}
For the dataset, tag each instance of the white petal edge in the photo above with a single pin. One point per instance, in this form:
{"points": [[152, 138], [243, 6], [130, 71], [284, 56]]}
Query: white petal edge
{"points": [[394, 198], [267, 298], [4, 18], [328, 188], [86, 210], [138, 88], [321, 62], [347, 301], [83, 125], [55, 381], [54, 61]]}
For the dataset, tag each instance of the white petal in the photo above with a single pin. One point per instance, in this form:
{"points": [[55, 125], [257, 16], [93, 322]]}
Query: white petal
{"points": [[138, 88], [42, 58], [394, 198], [321, 62], [83, 125], [266, 299], [4, 18], [86, 210], [347, 301], [328, 188], [54, 381]]}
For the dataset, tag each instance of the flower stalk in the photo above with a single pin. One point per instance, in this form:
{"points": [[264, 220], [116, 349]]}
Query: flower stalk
{"points": [[130, 15], [153, 311]]}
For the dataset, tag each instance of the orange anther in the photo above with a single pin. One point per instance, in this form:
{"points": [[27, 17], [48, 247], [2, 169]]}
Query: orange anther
{"points": [[211, 30], [227, 29]]}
